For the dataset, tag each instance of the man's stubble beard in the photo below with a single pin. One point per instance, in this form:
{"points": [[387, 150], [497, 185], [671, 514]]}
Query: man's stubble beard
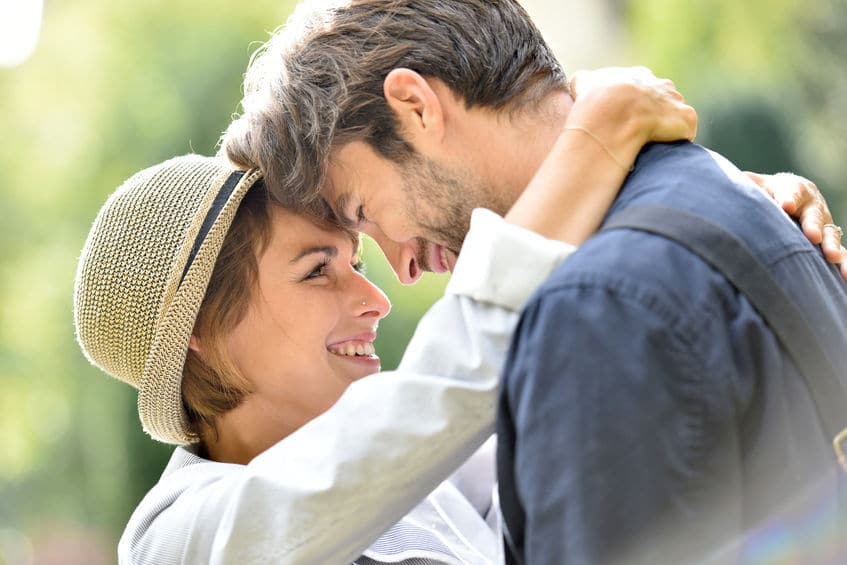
{"points": [[440, 200]]}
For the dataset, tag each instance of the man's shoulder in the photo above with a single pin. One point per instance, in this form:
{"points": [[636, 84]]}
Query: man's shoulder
{"points": [[680, 177], [623, 261], [645, 274]]}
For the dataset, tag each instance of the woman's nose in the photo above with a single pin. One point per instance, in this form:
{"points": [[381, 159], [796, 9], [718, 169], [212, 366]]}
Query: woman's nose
{"points": [[369, 300]]}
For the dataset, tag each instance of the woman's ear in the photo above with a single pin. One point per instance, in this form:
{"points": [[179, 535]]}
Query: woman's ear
{"points": [[194, 344], [417, 106]]}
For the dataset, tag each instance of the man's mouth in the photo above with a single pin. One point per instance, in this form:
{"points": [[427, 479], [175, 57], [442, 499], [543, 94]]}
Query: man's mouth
{"points": [[441, 259]]}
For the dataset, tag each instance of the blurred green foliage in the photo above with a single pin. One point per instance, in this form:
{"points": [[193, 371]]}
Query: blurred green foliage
{"points": [[112, 88], [767, 78], [116, 87]]}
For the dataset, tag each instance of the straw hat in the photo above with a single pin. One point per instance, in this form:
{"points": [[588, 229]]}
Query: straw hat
{"points": [[143, 274]]}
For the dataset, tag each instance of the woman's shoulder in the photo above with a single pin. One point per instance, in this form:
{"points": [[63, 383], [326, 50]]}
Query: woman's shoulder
{"points": [[167, 505]]}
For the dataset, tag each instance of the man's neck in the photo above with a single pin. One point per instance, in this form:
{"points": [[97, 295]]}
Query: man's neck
{"points": [[511, 145]]}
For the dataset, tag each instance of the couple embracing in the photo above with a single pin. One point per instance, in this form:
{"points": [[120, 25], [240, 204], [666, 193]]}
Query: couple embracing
{"points": [[648, 406]]}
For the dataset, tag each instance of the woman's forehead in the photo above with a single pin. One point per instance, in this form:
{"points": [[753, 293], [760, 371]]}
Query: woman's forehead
{"points": [[295, 233]]}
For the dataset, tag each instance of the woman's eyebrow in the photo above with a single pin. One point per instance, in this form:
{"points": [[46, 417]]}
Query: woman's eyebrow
{"points": [[329, 250]]}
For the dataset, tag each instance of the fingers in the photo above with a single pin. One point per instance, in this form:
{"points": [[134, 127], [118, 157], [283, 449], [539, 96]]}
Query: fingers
{"points": [[641, 79], [833, 251], [691, 120], [805, 193], [814, 215], [844, 263], [673, 92], [635, 102], [575, 83], [674, 118], [760, 182], [812, 221], [800, 198], [679, 121], [794, 194]]}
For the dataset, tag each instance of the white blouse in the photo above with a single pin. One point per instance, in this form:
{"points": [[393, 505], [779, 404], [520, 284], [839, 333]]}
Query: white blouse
{"points": [[325, 493]]}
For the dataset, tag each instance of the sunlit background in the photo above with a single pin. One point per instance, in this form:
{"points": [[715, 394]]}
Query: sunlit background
{"points": [[95, 91]]}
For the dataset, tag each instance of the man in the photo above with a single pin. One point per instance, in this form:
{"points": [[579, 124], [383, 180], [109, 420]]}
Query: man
{"points": [[645, 397]]}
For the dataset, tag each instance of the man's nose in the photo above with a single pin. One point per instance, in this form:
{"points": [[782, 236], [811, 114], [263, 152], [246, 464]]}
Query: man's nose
{"points": [[403, 257]]}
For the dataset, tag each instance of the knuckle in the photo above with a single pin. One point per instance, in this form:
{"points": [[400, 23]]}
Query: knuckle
{"points": [[691, 114], [644, 73], [811, 214]]}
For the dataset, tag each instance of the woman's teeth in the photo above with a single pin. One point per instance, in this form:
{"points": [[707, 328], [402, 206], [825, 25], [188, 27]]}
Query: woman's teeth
{"points": [[351, 349]]}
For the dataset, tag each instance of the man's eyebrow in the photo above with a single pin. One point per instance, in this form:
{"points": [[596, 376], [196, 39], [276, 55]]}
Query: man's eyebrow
{"points": [[341, 205], [329, 250], [357, 245]]}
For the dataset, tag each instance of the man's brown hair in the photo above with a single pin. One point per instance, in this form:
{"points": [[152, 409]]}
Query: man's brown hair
{"points": [[318, 83]]}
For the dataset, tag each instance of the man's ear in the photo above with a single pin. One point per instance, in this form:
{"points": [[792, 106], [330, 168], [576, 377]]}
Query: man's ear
{"points": [[416, 105]]}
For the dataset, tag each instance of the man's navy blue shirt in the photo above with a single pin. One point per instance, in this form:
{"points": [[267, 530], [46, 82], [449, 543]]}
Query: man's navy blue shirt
{"points": [[648, 413]]}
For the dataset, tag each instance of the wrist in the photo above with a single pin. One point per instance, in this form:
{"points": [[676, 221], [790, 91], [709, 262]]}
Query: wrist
{"points": [[600, 145], [572, 190], [615, 122]]}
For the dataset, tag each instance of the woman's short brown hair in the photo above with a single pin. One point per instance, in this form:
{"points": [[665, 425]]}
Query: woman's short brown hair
{"points": [[211, 383]]}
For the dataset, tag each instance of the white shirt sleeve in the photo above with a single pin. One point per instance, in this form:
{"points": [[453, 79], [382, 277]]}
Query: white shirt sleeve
{"points": [[326, 492]]}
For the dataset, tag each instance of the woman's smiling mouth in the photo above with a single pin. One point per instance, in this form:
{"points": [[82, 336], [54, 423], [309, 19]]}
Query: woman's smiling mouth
{"points": [[353, 349], [358, 349]]}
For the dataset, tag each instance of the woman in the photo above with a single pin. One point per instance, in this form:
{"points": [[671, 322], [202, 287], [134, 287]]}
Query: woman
{"points": [[241, 324]]}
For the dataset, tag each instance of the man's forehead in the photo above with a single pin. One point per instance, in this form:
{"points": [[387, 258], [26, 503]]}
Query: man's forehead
{"points": [[351, 167]]}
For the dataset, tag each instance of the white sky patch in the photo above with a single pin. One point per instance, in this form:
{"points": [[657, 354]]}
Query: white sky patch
{"points": [[20, 23]]}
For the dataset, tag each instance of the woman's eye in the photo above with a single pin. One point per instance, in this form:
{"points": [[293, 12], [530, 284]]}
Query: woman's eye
{"points": [[360, 214], [360, 267], [318, 271]]}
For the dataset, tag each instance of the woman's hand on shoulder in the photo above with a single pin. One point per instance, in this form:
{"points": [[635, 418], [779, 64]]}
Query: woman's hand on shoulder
{"points": [[802, 200], [616, 111], [624, 108]]}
